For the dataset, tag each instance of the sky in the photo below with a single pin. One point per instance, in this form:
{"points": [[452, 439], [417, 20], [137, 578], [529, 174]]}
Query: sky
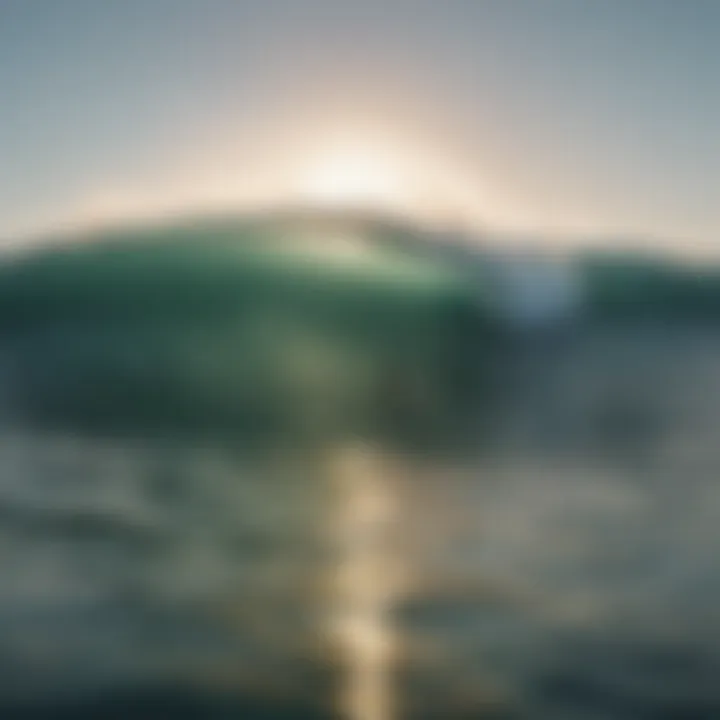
{"points": [[587, 118]]}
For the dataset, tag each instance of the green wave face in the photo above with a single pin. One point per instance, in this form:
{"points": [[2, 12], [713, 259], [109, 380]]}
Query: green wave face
{"points": [[294, 325]]}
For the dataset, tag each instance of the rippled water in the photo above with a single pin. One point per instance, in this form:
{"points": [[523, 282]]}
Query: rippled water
{"points": [[562, 565]]}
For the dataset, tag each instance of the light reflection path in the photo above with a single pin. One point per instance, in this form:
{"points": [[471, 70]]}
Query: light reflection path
{"points": [[365, 580]]}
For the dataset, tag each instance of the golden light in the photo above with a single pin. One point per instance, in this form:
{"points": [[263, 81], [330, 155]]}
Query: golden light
{"points": [[356, 168], [384, 173], [365, 582], [354, 177]]}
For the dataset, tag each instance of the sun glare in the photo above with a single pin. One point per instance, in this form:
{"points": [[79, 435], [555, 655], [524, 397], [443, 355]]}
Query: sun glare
{"points": [[386, 175], [352, 178]]}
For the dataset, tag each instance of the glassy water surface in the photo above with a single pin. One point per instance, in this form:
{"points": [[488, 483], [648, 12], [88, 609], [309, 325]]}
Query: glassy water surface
{"points": [[559, 562]]}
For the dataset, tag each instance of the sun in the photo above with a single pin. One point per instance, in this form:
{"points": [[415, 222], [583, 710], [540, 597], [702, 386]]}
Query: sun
{"points": [[352, 178], [392, 174]]}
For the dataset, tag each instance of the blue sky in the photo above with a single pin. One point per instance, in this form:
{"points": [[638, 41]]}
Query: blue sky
{"points": [[592, 117]]}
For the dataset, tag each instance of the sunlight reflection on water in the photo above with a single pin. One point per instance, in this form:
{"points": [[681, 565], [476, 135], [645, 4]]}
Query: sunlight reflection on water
{"points": [[365, 580], [572, 553]]}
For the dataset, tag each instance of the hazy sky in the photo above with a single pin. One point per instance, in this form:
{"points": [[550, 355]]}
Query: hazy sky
{"points": [[581, 116]]}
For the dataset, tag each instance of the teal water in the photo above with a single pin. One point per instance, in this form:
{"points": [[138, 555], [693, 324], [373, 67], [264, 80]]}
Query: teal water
{"points": [[292, 497]]}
